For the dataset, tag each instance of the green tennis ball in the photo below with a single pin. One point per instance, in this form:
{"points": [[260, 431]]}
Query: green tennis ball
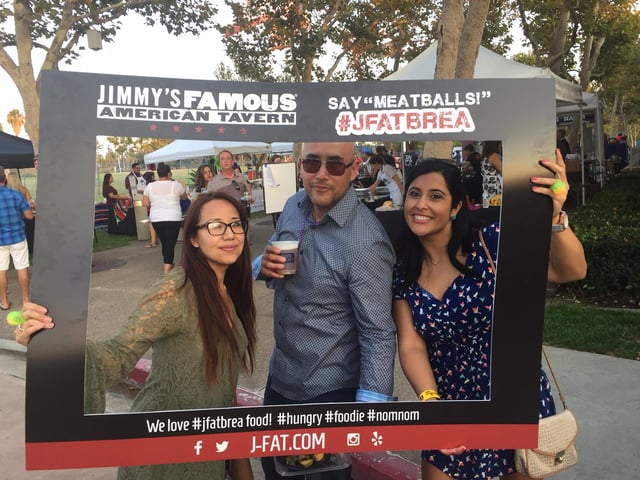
{"points": [[15, 318]]}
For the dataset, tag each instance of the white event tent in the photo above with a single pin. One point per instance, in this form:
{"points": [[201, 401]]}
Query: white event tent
{"points": [[185, 149], [569, 96], [490, 65]]}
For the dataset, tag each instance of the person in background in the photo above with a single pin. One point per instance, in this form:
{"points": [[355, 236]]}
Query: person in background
{"points": [[14, 208], [150, 177], [14, 183], [200, 321], [276, 215], [163, 198], [562, 143], [229, 180], [333, 331], [472, 175], [111, 196], [410, 159], [382, 151], [134, 182], [384, 173], [204, 174], [444, 339], [491, 168]]}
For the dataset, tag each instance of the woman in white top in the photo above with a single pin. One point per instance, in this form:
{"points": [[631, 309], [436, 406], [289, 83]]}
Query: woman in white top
{"points": [[383, 172], [491, 171], [165, 214]]}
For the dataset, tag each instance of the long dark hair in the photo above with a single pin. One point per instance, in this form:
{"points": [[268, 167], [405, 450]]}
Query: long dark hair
{"points": [[213, 313], [199, 184], [105, 184], [409, 250]]}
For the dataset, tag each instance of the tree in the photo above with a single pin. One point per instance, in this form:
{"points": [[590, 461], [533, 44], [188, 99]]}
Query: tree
{"points": [[571, 35], [282, 40], [15, 118], [459, 37], [56, 26]]}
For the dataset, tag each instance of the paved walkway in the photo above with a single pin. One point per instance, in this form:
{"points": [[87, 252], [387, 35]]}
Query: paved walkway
{"points": [[603, 392]]}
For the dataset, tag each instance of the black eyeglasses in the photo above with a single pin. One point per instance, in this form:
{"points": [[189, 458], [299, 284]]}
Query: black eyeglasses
{"points": [[235, 184], [334, 167], [219, 228]]}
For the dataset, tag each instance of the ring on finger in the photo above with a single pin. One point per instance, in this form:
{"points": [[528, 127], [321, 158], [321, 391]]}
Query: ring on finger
{"points": [[558, 187]]}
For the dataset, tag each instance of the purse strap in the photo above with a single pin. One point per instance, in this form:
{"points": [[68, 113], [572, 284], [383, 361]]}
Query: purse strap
{"points": [[544, 352]]}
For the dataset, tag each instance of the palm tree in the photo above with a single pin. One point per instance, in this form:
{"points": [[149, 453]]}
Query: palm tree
{"points": [[15, 118]]}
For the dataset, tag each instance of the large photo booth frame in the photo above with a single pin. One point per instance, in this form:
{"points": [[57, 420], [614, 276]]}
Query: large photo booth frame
{"points": [[76, 108]]}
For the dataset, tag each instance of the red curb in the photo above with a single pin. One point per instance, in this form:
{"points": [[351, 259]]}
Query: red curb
{"points": [[364, 465]]}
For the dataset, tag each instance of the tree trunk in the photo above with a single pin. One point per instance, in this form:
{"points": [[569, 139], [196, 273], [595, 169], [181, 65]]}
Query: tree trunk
{"points": [[449, 31], [459, 38], [22, 73], [471, 38], [559, 40]]}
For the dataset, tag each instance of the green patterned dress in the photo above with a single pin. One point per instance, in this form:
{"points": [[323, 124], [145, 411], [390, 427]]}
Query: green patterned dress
{"points": [[167, 321]]}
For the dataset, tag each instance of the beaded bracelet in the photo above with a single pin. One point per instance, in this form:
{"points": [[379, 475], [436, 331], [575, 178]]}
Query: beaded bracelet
{"points": [[428, 395]]}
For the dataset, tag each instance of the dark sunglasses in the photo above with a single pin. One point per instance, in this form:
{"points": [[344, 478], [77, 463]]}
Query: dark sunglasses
{"points": [[334, 167], [216, 228], [235, 184]]}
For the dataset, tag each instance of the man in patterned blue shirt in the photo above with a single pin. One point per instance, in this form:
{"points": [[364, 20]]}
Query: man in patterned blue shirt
{"points": [[333, 330], [13, 240]]}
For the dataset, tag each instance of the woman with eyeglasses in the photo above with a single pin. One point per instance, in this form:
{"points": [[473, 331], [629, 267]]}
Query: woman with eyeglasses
{"points": [[200, 321], [163, 198]]}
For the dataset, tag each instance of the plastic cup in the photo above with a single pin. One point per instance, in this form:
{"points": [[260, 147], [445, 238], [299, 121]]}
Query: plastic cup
{"points": [[289, 250]]}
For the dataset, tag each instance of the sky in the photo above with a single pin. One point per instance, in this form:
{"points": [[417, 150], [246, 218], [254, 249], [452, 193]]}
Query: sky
{"points": [[137, 50]]}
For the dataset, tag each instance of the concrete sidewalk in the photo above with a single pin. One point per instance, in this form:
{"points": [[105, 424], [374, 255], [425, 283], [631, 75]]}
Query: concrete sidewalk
{"points": [[603, 392]]}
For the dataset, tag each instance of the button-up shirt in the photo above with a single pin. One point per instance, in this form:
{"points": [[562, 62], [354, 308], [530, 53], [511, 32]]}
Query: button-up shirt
{"points": [[332, 319], [12, 206], [221, 183]]}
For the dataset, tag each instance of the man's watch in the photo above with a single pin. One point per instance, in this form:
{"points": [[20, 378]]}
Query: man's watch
{"points": [[564, 222]]}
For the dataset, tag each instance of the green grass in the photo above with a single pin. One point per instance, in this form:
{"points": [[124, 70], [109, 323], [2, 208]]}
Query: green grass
{"points": [[29, 180], [591, 329], [106, 241]]}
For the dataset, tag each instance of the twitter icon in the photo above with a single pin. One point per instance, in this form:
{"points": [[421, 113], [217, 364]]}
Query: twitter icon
{"points": [[222, 446]]}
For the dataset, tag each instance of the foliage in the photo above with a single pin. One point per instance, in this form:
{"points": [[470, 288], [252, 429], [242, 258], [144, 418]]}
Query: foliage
{"points": [[593, 43], [123, 151], [312, 40], [609, 229], [56, 26], [15, 118]]}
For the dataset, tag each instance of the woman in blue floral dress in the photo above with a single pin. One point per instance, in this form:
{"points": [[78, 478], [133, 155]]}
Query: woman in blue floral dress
{"points": [[443, 300]]}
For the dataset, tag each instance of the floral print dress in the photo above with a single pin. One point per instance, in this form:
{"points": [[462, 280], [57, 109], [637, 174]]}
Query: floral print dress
{"points": [[457, 330]]}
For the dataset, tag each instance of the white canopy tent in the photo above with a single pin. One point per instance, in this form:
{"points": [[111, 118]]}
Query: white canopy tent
{"points": [[591, 139], [490, 65], [185, 149]]}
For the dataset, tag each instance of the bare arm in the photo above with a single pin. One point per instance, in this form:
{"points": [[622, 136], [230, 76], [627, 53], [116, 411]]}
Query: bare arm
{"points": [[412, 350], [567, 262], [496, 161], [414, 359]]}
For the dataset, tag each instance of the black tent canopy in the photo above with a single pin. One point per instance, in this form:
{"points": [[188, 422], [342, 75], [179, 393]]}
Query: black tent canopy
{"points": [[15, 152]]}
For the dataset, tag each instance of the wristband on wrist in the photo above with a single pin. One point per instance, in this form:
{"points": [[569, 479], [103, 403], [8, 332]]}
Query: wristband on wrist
{"points": [[428, 395]]}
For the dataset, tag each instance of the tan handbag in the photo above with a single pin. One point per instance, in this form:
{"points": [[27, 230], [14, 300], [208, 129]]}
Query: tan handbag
{"points": [[556, 450]]}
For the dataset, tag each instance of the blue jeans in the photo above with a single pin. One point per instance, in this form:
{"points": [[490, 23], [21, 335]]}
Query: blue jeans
{"points": [[271, 397]]}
